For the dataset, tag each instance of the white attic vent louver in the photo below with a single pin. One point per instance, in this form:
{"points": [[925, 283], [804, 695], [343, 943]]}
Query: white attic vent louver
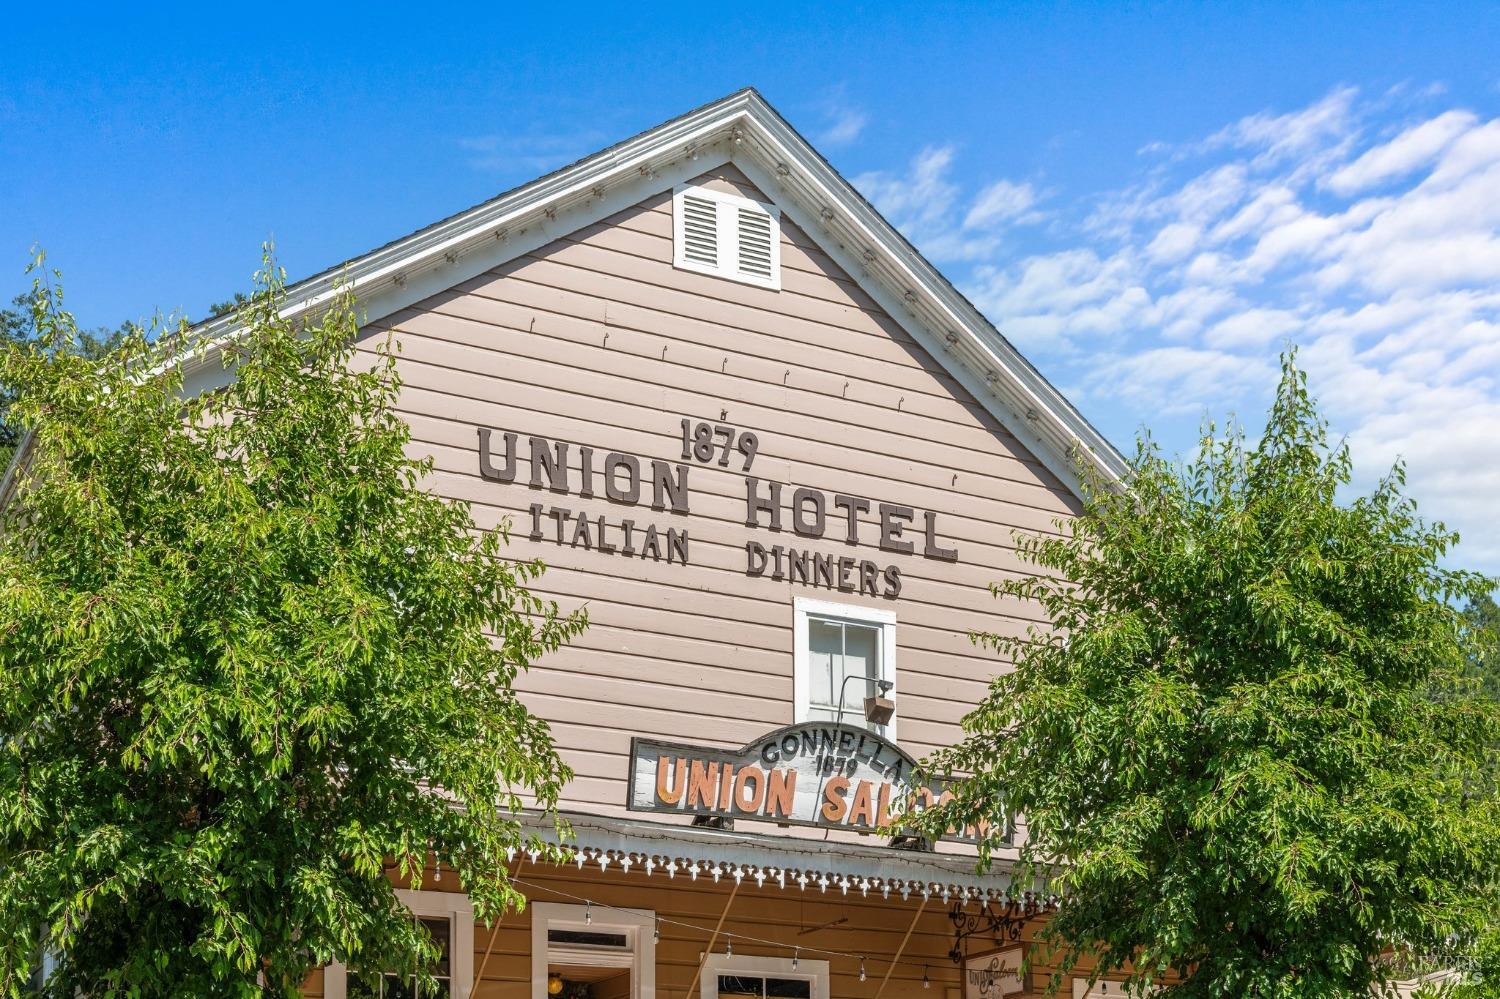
{"points": [[727, 236], [755, 243], [700, 230]]}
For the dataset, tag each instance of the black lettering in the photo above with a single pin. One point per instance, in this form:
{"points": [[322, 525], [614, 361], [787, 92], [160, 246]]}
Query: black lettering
{"points": [[754, 504], [808, 527], [796, 565], [487, 469], [667, 489], [628, 526], [822, 570], [652, 544], [553, 461], [560, 515], [586, 472], [846, 566], [867, 571], [776, 553], [930, 547], [892, 576], [755, 558], [613, 462], [536, 522], [852, 506], [581, 532], [677, 545], [890, 530], [604, 546]]}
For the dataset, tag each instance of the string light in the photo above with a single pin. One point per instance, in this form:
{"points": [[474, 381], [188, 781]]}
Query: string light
{"points": [[729, 937], [588, 913], [656, 933], [926, 982]]}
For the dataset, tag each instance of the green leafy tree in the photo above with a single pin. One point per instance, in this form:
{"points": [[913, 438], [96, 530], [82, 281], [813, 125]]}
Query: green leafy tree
{"points": [[249, 668], [1227, 756], [17, 326], [1483, 616]]}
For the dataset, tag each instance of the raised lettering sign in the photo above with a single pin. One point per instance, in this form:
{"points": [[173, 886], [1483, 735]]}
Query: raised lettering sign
{"points": [[813, 773], [813, 518]]}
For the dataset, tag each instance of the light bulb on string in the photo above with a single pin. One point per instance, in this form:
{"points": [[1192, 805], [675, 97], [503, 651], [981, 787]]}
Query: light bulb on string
{"points": [[861, 969], [656, 933], [588, 913], [926, 982], [796, 953], [729, 947]]}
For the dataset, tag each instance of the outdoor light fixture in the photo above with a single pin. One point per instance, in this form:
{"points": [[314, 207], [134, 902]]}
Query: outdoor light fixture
{"points": [[879, 709], [554, 984]]}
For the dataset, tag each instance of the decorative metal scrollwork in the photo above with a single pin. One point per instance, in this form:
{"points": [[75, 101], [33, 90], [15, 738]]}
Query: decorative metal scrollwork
{"points": [[1001, 921]]}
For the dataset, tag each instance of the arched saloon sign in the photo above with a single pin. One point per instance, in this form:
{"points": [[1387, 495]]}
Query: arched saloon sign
{"points": [[812, 773]]}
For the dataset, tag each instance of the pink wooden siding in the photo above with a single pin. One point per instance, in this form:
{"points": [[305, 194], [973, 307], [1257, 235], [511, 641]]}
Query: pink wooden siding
{"points": [[598, 341]]}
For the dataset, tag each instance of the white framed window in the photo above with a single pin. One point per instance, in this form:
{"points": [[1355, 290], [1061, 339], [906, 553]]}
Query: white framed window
{"points": [[726, 236], [841, 650], [613, 950], [449, 917], [726, 977]]}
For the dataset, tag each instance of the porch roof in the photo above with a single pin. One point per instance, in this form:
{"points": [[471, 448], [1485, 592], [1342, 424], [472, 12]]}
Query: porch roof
{"points": [[696, 851]]}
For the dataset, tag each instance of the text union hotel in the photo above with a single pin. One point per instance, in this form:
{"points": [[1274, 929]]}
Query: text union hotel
{"points": [[780, 459]]}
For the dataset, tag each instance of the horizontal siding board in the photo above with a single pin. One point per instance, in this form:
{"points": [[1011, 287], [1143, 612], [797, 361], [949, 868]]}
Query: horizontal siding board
{"points": [[927, 471], [736, 670], [597, 340], [978, 510], [878, 361], [494, 325]]}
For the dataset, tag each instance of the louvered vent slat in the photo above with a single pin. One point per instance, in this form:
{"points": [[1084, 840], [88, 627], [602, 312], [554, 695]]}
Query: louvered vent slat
{"points": [[700, 230], [755, 243]]}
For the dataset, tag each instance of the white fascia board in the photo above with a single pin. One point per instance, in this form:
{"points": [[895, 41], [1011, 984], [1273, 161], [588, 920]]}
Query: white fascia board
{"points": [[926, 296], [745, 130], [517, 222]]}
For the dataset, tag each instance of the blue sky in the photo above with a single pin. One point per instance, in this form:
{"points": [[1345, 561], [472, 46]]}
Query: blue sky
{"points": [[1148, 199]]}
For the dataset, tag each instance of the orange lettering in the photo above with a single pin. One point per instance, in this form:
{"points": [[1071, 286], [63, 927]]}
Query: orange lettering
{"points": [[834, 805], [756, 778], [726, 787], [862, 812], [703, 784], [883, 813], [781, 792], [670, 795]]}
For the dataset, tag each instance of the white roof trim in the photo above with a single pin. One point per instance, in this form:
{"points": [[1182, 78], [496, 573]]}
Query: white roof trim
{"points": [[741, 128], [782, 861]]}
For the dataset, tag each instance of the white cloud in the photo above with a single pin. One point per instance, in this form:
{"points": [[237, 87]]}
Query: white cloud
{"points": [[1003, 201], [1367, 231], [844, 122], [1414, 148], [925, 205], [846, 126]]}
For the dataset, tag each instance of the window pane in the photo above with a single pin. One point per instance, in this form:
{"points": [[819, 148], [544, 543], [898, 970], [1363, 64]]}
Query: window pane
{"points": [[861, 658], [588, 938], [738, 985], [789, 988], [441, 934], [824, 659], [398, 988]]}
